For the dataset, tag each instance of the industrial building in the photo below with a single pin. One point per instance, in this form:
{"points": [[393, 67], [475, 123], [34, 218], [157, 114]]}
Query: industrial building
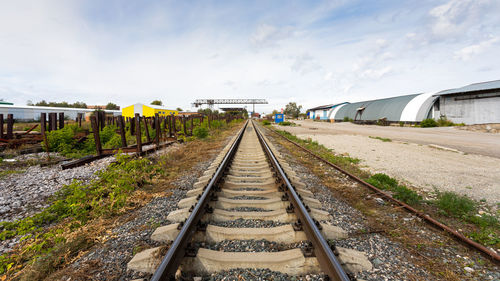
{"points": [[477, 103], [409, 108], [147, 110], [322, 112], [30, 113]]}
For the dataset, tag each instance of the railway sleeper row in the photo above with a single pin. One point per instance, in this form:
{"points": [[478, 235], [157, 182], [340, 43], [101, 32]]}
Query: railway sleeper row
{"points": [[249, 191]]}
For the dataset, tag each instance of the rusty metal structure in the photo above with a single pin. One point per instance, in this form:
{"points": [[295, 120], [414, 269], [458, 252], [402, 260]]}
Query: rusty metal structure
{"points": [[211, 102]]}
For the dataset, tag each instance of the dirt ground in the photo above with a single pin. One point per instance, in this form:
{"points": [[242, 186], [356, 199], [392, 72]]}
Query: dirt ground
{"points": [[418, 156]]}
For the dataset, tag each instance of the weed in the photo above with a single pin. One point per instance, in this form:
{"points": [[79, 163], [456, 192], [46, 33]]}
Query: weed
{"points": [[429, 122], [286, 123], [455, 205], [10, 172], [347, 119], [266, 122], [200, 132], [401, 192], [382, 139], [401, 124]]}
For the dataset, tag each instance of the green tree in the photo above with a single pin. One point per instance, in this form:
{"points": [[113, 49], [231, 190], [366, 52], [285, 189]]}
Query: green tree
{"points": [[179, 109], [112, 106], [157, 102], [292, 109]]}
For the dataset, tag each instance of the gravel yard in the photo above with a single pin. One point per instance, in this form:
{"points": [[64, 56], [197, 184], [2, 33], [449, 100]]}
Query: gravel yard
{"points": [[419, 165], [391, 260], [23, 194]]}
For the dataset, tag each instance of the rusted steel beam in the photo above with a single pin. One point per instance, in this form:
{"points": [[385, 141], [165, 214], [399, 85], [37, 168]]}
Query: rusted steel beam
{"points": [[132, 126], [95, 131], [1, 126], [146, 128], [43, 123], [157, 129], [491, 254], [82, 161], [61, 120], [121, 124], [138, 135], [29, 130], [10, 126]]}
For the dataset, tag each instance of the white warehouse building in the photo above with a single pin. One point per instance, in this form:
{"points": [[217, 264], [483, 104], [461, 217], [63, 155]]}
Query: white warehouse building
{"points": [[477, 103], [30, 113]]}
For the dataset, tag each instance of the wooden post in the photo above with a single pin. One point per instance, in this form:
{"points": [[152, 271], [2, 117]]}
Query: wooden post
{"points": [[138, 133], [80, 116], [146, 129], [61, 120], [102, 119], [132, 126], [174, 124], [51, 116], [170, 126], [43, 123], [95, 131], [10, 126], [184, 123], [192, 125], [158, 131], [121, 123], [1, 126], [209, 117]]}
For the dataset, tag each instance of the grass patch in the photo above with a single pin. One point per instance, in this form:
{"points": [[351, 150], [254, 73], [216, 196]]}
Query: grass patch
{"points": [[441, 122], [10, 172], [76, 204], [345, 162], [286, 123], [400, 192], [80, 214], [380, 138], [266, 122], [466, 209]]}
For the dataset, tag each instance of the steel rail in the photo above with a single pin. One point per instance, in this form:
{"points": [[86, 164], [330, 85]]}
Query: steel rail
{"points": [[326, 258], [491, 254], [176, 252]]}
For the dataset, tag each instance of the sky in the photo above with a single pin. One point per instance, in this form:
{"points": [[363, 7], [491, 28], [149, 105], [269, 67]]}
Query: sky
{"points": [[309, 52]]}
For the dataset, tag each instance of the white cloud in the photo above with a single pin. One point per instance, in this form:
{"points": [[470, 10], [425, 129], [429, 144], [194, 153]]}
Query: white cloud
{"points": [[267, 35], [473, 50], [56, 50], [457, 16]]}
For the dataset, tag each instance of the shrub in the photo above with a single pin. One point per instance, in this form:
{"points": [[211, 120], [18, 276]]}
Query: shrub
{"points": [[266, 123], [455, 205], [401, 192], [444, 122], [401, 124], [382, 181], [286, 123], [429, 122], [200, 132], [347, 119]]}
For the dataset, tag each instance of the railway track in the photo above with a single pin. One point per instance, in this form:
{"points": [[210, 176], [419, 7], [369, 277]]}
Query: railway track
{"points": [[251, 199]]}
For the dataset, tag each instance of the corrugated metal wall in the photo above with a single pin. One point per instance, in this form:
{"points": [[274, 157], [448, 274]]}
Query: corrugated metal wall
{"points": [[390, 108]]}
